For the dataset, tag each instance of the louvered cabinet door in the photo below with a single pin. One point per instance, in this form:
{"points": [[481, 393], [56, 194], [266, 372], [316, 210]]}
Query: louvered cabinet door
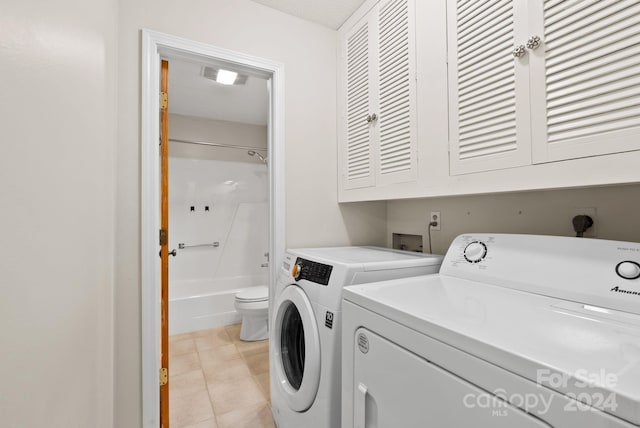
{"points": [[357, 151], [489, 114], [585, 79], [396, 155]]}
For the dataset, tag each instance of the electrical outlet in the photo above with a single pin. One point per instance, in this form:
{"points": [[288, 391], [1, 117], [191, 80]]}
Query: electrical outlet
{"points": [[435, 217], [592, 232]]}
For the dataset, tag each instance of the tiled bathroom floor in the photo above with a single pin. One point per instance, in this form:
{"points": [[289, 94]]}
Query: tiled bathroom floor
{"points": [[218, 381]]}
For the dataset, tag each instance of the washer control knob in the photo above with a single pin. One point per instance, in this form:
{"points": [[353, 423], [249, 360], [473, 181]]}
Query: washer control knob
{"points": [[475, 252], [628, 270], [295, 271]]}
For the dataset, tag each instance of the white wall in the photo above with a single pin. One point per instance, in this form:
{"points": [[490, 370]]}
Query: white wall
{"points": [[57, 183], [237, 196], [313, 215], [541, 212], [191, 128]]}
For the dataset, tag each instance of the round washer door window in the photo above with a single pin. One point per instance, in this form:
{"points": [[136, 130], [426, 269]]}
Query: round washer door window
{"points": [[296, 349]]}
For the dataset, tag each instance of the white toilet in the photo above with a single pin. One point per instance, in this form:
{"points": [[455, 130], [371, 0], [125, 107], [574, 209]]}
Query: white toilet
{"points": [[253, 304]]}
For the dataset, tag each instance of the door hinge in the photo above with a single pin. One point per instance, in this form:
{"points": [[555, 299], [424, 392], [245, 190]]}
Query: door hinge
{"points": [[164, 100], [164, 376], [163, 237]]}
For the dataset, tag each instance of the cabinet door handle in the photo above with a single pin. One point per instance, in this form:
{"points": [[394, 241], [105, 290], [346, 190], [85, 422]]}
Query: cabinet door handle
{"points": [[374, 117], [534, 42], [519, 51], [369, 119]]}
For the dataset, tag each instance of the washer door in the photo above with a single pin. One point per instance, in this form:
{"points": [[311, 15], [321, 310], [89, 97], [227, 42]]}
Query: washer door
{"points": [[296, 349]]}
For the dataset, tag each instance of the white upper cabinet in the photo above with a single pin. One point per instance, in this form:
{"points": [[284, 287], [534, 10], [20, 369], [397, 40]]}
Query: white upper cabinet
{"points": [[377, 142], [454, 97], [541, 81], [489, 86], [396, 93], [357, 152], [585, 86]]}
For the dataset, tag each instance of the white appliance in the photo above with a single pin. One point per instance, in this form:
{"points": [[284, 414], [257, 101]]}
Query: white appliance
{"points": [[306, 325], [515, 331]]}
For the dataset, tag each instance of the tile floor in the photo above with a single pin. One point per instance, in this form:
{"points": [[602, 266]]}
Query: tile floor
{"points": [[218, 381]]}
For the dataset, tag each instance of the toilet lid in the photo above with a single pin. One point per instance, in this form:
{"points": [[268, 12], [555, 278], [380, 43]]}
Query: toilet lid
{"points": [[254, 294]]}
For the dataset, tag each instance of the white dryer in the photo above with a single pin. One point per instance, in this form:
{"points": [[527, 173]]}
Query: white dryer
{"points": [[305, 333], [515, 331]]}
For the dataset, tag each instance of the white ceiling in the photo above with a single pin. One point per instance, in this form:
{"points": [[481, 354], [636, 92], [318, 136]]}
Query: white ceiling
{"points": [[194, 95], [330, 13], [190, 94]]}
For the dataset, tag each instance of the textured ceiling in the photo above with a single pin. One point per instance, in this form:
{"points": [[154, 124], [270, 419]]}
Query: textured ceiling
{"points": [[330, 13], [193, 95]]}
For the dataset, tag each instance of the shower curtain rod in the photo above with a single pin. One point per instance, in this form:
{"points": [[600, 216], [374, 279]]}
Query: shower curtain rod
{"points": [[231, 146]]}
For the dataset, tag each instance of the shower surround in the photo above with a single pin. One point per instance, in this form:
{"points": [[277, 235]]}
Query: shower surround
{"points": [[215, 201]]}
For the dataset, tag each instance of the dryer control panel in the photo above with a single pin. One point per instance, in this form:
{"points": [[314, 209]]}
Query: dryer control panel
{"points": [[311, 271], [595, 272]]}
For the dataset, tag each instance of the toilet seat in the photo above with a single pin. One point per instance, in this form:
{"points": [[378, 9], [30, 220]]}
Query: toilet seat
{"points": [[253, 294]]}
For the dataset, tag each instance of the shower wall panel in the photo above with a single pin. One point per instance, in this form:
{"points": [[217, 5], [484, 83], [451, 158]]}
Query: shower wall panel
{"points": [[217, 201]]}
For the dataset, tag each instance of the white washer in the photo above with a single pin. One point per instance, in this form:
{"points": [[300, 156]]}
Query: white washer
{"points": [[306, 325], [515, 331]]}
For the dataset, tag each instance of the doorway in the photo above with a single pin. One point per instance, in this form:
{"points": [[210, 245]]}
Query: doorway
{"points": [[218, 223], [157, 46], [218, 193]]}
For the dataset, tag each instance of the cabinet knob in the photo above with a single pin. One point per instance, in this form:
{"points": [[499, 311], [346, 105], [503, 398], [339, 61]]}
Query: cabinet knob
{"points": [[533, 42], [372, 118], [369, 119], [519, 51]]}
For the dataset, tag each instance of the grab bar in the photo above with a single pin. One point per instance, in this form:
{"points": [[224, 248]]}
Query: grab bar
{"points": [[182, 245]]}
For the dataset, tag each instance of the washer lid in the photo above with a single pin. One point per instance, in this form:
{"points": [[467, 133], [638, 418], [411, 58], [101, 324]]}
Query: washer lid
{"points": [[368, 258], [254, 294]]}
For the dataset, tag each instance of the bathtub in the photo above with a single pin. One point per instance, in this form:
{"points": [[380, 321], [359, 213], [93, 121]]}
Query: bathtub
{"points": [[206, 303]]}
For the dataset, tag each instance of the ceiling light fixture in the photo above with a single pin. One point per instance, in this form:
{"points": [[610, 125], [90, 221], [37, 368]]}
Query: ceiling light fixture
{"points": [[223, 77], [226, 77]]}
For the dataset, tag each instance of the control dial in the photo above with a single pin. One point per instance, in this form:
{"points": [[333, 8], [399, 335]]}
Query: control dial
{"points": [[628, 270], [295, 271], [475, 252]]}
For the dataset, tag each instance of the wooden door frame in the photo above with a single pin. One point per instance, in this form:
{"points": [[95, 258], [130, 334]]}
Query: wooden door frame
{"points": [[164, 246], [155, 46]]}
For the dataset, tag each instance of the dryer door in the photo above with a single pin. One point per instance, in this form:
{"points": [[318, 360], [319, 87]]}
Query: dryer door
{"points": [[296, 349], [395, 388]]}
